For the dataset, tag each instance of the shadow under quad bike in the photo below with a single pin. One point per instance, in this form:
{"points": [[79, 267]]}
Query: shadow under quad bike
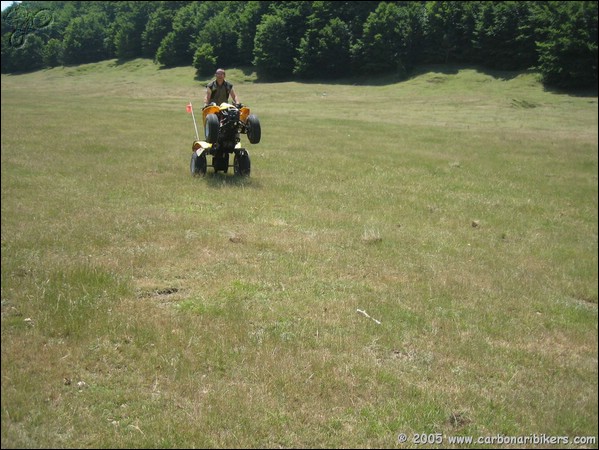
{"points": [[223, 126]]}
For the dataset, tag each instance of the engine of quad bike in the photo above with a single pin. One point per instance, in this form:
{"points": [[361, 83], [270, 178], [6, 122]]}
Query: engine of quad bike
{"points": [[229, 127]]}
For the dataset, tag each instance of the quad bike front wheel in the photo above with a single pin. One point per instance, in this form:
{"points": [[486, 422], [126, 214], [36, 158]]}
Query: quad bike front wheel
{"points": [[242, 164], [211, 128], [253, 129]]}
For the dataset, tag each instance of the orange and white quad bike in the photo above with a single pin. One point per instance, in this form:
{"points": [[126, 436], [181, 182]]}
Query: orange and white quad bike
{"points": [[223, 126]]}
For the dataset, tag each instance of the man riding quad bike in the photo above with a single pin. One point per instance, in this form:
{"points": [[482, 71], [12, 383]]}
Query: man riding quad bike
{"points": [[223, 125]]}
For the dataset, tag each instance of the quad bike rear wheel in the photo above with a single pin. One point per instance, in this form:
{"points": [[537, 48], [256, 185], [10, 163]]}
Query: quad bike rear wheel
{"points": [[254, 132], [211, 128], [198, 165], [242, 164]]}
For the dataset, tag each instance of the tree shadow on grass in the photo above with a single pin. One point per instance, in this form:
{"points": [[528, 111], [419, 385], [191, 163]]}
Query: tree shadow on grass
{"points": [[385, 79], [582, 93]]}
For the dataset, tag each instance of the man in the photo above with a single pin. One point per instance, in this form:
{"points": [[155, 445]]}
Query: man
{"points": [[218, 90]]}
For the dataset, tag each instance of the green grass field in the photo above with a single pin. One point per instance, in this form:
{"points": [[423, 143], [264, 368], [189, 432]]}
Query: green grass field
{"points": [[144, 308]]}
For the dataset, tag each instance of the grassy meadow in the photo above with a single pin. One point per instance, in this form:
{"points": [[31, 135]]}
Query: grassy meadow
{"points": [[145, 308]]}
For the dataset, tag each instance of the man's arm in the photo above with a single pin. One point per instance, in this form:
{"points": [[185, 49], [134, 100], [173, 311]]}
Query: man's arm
{"points": [[233, 95], [208, 95]]}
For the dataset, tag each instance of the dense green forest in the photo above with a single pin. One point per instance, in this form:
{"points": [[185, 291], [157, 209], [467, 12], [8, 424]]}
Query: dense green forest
{"points": [[309, 39]]}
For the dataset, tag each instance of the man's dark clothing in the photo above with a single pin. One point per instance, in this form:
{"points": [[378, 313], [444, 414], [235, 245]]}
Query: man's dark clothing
{"points": [[220, 94]]}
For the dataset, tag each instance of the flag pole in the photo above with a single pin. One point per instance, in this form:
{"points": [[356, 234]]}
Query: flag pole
{"points": [[194, 121]]}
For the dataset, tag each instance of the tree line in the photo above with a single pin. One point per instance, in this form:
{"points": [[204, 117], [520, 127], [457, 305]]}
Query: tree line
{"points": [[309, 39]]}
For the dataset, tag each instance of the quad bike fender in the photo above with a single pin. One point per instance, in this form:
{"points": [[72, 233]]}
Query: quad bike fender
{"points": [[200, 146], [212, 109], [244, 112]]}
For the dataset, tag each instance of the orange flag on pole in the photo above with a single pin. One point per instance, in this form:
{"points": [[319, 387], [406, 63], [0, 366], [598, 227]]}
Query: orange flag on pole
{"points": [[189, 109]]}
